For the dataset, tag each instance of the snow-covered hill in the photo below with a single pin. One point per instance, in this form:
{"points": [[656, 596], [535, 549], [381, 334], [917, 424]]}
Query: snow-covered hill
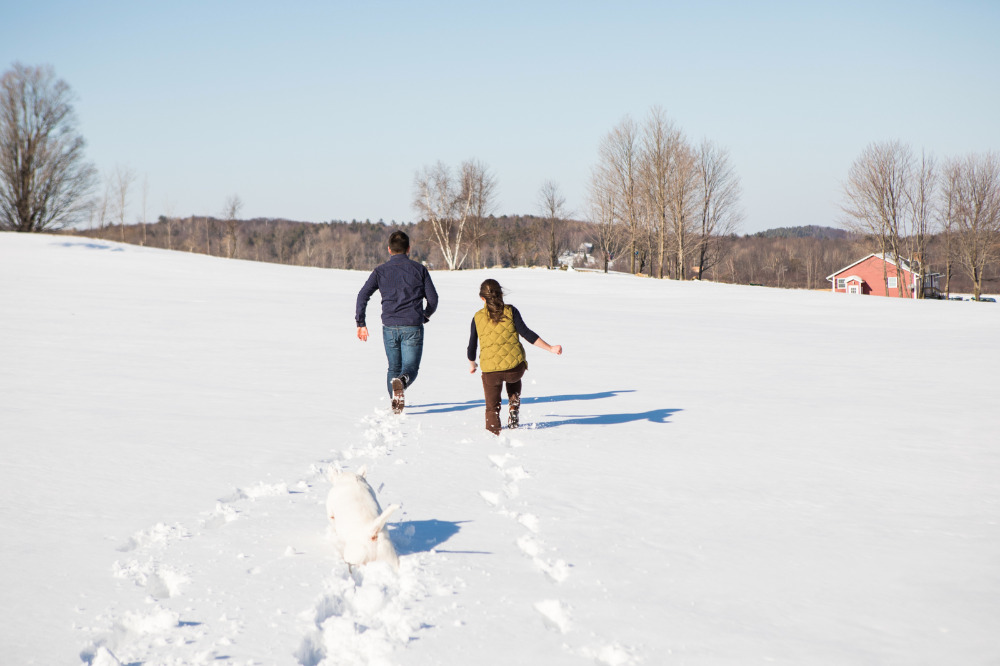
{"points": [[710, 474]]}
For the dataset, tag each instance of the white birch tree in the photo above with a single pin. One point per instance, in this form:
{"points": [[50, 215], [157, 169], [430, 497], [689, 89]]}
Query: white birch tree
{"points": [[438, 198]]}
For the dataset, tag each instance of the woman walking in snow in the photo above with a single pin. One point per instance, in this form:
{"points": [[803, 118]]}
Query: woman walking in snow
{"points": [[496, 329]]}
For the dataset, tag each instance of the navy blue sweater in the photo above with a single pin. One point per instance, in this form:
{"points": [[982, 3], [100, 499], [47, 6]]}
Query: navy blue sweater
{"points": [[404, 285]]}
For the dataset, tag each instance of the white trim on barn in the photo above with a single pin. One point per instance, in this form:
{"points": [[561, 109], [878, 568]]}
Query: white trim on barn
{"points": [[847, 280]]}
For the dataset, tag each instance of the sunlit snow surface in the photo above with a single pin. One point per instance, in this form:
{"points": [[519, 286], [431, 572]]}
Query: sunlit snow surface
{"points": [[709, 474]]}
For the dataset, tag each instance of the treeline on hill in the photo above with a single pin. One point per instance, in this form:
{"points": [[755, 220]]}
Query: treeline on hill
{"points": [[508, 240], [794, 257]]}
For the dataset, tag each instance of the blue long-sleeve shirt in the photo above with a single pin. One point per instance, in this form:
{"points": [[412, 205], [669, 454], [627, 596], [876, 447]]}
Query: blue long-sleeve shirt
{"points": [[404, 285]]}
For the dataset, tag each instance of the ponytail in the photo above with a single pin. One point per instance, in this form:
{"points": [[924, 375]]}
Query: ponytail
{"points": [[492, 292]]}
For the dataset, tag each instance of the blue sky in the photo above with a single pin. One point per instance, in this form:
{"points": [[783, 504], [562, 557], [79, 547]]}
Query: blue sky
{"points": [[325, 110]]}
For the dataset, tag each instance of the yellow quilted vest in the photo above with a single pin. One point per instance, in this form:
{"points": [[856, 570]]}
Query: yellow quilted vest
{"points": [[499, 347]]}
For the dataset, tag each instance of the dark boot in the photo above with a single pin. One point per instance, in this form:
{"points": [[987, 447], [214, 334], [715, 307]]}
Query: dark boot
{"points": [[513, 418], [398, 384]]}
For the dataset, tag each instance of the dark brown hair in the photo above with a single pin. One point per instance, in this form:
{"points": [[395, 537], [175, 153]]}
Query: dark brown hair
{"points": [[399, 242], [493, 293]]}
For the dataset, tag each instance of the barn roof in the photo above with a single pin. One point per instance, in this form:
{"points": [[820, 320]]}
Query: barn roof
{"points": [[888, 258]]}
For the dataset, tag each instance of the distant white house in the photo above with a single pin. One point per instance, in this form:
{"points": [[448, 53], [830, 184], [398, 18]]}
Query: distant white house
{"points": [[582, 258]]}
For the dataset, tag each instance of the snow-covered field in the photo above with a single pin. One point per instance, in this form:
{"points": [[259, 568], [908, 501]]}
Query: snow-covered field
{"points": [[709, 474]]}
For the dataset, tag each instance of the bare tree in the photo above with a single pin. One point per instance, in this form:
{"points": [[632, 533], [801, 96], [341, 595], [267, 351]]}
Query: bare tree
{"points": [[279, 240], [812, 263], [607, 235], [619, 160], [877, 195], [445, 203], [947, 214], [920, 197], [121, 184], [553, 206], [230, 213], [44, 180], [719, 191], [206, 222], [98, 209], [683, 191], [168, 208], [481, 186], [660, 141], [145, 201], [974, 188]]}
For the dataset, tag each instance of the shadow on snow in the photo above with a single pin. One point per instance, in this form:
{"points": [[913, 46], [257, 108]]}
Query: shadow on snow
{"points": [[90, 245], [422, 536], [443, 407], [653, 415]]}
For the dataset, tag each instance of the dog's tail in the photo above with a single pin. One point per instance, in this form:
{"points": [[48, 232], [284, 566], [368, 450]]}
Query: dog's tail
{"points": [[380, 522]]}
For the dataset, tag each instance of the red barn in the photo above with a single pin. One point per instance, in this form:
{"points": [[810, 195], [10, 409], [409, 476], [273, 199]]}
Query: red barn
{"points": [[865, 277]]}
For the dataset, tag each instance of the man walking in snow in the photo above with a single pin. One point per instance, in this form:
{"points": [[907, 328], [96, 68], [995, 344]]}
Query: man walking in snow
{"points": [[405, 285]]}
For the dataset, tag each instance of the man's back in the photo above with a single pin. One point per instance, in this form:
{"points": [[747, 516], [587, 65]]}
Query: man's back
{"points": [[404, 284]]}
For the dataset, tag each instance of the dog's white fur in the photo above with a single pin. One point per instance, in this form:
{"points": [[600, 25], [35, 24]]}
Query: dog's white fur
{"points": [[358, 519]]}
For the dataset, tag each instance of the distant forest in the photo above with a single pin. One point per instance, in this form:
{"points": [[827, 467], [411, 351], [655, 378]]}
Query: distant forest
{"points": [[657, 204], [792, 257]]}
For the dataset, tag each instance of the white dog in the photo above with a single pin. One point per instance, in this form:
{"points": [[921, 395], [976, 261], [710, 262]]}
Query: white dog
{"points": [[358, 520]]}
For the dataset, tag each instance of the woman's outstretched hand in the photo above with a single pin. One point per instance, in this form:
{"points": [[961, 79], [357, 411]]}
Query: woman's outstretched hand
{"points": [[555, 349]]}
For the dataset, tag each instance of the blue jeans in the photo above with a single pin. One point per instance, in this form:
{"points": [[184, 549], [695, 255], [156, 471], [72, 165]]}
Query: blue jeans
{"points": [[403, 348]]}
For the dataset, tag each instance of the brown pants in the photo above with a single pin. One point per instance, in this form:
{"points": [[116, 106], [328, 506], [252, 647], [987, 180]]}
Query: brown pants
{"points": [[492, 384]]}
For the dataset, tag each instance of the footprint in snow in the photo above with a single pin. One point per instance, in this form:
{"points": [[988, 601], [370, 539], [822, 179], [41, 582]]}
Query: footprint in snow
{"points": [[555, 614], [364, 615], [556, 570]]}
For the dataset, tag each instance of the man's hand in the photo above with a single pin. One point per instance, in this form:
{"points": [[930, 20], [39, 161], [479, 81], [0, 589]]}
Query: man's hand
{"points": [[472, 366], [363, 333]]}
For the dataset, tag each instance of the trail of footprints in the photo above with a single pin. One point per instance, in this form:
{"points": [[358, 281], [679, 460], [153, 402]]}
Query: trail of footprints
{"points": [[190, 614], [556, 614], [529, 543], [368, 613]]}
